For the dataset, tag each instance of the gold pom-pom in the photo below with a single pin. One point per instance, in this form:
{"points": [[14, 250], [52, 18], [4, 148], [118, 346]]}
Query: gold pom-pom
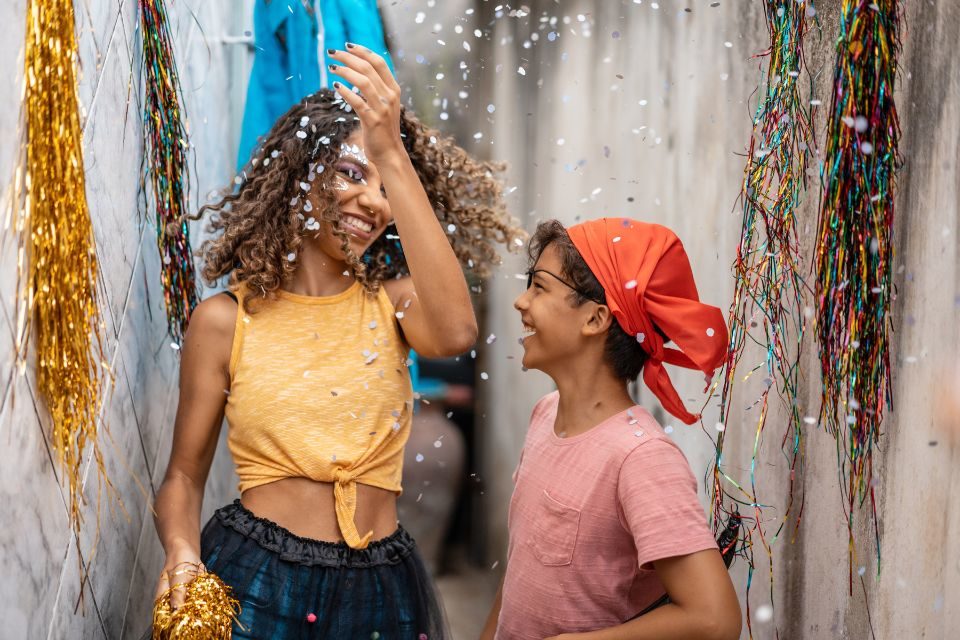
{"points": [[207, 613]]}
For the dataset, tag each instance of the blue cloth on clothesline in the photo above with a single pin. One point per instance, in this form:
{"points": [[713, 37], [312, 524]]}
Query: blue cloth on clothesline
{"points": [[290, 59], [286, 66], [356, 21]]}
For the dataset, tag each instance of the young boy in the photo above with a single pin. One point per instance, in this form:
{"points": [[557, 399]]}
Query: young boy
{"points": [[604, 517]]}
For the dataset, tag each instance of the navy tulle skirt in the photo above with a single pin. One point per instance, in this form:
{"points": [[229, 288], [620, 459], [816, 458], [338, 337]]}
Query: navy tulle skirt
{"points": [[294, 587]]}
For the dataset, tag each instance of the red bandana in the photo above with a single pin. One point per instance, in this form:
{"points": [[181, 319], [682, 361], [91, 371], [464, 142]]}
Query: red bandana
{"points": [[646, 276]]}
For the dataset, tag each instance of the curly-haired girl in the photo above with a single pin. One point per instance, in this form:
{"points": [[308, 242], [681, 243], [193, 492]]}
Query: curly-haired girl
{"points": [[343, 246]]}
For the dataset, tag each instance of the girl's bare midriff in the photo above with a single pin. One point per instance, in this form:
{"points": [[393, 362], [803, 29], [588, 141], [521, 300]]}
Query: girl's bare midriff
{"points": [[306, 508]]}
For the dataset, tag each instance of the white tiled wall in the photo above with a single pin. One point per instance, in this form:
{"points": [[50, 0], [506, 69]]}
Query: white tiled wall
{"points": [[43, 563]]}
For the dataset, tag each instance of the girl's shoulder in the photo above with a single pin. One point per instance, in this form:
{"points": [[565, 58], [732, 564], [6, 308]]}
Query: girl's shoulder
{"points": [[216, 314], [211, 330]]}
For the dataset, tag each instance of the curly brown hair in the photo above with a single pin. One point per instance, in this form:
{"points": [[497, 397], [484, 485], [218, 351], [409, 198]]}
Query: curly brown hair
{"points": [[261, 222]]}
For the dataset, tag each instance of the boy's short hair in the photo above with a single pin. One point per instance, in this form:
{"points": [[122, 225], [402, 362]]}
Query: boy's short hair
{"points": [[621, 351]]}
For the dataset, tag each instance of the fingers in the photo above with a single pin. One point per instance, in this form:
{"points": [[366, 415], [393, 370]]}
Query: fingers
{"points": [[354, 100], [357, 72], [174, 582], [162, 585], [360, 68], [376, 63], [369, 93]]}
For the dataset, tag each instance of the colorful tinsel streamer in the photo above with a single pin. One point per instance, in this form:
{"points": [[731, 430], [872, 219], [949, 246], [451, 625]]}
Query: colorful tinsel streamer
{"points": [[854, 245], [57, 301], [166, 165], [769, 286]]}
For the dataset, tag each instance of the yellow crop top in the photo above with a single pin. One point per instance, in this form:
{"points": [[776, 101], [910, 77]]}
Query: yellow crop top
{"points": [[320, 389]]}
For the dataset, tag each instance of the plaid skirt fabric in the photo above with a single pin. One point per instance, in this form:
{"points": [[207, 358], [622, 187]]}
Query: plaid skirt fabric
{"points": [[294, 587]]}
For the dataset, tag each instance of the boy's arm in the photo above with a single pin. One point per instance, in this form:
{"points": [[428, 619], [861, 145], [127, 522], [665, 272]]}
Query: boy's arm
{"points": [[490, 628], [704, 604]]}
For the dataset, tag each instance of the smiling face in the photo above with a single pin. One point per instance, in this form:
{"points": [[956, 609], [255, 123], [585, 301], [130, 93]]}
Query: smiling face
{"points": [[364, 210], [553, 323]]}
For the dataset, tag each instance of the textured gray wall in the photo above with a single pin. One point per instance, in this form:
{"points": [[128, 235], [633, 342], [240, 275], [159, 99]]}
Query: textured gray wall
{"points": [[41, 584], [678, 160]]}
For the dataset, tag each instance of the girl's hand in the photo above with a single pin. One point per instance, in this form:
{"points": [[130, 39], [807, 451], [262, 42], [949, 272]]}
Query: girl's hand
{"points": [[180, 568], [377, 106]]}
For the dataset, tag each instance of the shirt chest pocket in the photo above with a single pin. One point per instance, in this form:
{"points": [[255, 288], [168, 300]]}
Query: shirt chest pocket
{"points": [[554, 533]]}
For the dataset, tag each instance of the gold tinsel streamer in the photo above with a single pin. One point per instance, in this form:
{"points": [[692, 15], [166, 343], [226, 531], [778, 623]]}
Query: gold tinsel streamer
{"points": [[57, 302], [207, 613]]}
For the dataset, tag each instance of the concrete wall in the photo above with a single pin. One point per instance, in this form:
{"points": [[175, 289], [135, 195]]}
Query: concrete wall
{"points": [[40, 591], [581, 144]]}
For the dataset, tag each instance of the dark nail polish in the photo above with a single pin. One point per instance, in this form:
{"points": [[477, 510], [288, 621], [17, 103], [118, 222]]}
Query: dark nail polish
{"points": [[332, 67], [350, 45], [336, 85], [331, 51]]}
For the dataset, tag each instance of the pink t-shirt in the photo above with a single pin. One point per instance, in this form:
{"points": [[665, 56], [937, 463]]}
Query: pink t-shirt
{"points": [[588, 517]]}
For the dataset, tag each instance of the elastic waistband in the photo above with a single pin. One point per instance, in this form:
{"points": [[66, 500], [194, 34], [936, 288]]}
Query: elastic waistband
{"points": [[306, 551]]}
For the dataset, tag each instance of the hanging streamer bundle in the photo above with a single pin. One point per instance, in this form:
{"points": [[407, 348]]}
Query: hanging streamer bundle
{"points": [[57, 301], [769, 288], [854, 245], [165, 164]]}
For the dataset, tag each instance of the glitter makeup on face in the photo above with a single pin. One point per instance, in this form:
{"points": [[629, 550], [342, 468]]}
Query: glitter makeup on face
{"points": [[354, 152]]}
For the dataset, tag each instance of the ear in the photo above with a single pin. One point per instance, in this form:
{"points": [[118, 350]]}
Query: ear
{"points": [[598, 322]]}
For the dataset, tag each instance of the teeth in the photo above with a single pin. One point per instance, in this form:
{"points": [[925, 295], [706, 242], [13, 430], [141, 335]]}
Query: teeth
{"points": [[528, 330], [357, 223]]}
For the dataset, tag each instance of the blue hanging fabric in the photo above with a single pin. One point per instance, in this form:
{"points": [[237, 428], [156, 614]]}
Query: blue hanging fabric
{"points": [[286, 65], [356, 21]]}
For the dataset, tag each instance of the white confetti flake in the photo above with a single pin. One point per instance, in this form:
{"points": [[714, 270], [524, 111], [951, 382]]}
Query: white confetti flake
{"points": [[710, 331], [301, 134], [521, 71], [720, 427], [484, 375], [419, 457], [641, 337], [291, 257], [630, 284], [175, 346], [764, 613]]}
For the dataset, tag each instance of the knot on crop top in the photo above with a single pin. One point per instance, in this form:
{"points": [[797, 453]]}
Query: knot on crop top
{"points": [[320, 389], [345, 498]]}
